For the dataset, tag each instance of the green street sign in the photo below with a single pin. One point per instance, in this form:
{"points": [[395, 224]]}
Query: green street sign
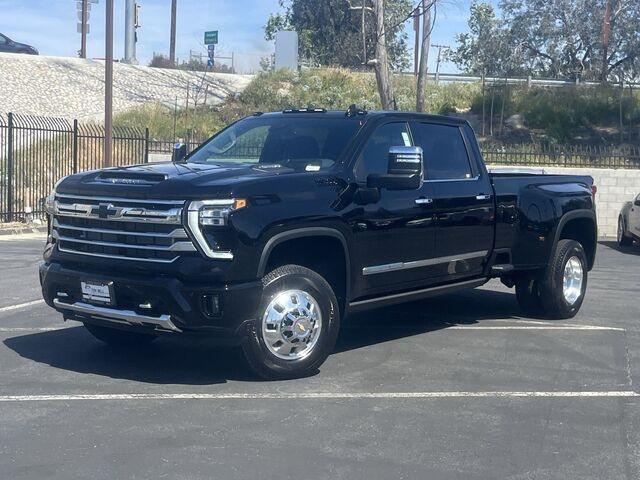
{"points": [[211, 38]]}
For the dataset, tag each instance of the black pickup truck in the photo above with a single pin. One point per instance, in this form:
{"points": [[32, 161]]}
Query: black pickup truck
{"points": [[277, 228]]}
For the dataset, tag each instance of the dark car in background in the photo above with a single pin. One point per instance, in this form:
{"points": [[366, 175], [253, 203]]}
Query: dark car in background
{"points": [[9, 46]]}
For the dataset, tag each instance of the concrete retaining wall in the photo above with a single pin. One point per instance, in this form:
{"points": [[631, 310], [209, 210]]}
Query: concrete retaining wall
{"points": [[615, 187]]}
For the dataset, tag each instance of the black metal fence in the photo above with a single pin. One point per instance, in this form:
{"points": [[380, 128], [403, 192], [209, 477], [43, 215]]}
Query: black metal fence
{"points": [[577, 156], [36, 151]]}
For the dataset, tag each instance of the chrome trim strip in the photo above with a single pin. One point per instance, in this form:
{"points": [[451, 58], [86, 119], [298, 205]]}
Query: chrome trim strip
{"points": [[177, 233], [392, 267], [123, 200], [117, 257], [172, 216], [193, 211], [438, 180], [111, 314], [176, 247]]}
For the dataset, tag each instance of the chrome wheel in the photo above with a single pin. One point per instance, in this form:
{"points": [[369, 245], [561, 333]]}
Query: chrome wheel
{"points": [[572, 280], [291, 325]]}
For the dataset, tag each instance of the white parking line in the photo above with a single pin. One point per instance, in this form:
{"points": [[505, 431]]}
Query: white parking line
{"points": [[31, 329], [316, 396], [20, 305], [536, 327]]}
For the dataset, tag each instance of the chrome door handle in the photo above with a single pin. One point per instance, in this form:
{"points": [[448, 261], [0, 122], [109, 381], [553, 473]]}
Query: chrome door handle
{"points": [[483, 197], [424, 201]]}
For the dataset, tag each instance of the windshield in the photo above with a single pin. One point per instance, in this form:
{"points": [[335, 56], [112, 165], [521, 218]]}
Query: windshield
{"points": [[304, 144]]}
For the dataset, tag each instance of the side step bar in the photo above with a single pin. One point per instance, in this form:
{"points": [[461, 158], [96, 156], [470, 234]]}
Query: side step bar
{"points": [[414, 295], [119, 316]]}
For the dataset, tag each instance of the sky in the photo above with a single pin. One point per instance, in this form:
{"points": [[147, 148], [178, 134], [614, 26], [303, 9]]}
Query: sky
{"points": [[50, 26]]}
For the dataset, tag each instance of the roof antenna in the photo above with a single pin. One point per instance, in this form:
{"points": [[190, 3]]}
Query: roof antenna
{"points": [[353, 110]]}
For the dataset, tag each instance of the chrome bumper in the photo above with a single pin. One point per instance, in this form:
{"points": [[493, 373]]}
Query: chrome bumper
{"points": [[127, 317]]}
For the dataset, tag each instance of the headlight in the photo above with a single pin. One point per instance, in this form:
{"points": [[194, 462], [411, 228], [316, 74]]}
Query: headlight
{"points": [[211, 213], [50, 201]]}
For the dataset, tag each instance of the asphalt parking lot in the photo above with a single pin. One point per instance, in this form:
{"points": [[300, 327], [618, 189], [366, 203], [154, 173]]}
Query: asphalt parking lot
{"points": [[457, 387]]}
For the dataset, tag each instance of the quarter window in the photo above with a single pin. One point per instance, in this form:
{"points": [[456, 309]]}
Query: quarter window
{"points": [[445, 153]]}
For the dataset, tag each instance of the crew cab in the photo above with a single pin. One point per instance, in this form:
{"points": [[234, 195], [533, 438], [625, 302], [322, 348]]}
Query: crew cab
{"points": [[629, 223], [281, 225]]}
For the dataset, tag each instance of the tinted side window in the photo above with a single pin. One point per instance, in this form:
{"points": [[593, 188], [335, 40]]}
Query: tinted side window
{"points": [[375, 155], [3, 40], [445, 153]]}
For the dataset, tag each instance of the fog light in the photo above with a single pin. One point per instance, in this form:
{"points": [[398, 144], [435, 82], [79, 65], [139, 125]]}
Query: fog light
{"points": [[212, 305]]}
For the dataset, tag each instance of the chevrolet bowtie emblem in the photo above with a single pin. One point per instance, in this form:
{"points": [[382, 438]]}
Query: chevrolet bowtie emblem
{"points": [[104, 210]]}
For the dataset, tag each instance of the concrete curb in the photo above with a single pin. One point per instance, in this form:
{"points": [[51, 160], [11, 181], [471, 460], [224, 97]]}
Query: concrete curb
{"points": [[22, 230]]}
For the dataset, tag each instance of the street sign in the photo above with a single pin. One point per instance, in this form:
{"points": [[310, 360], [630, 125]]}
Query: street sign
{"points": [[210, 63], [211, 38], [212, 48]]}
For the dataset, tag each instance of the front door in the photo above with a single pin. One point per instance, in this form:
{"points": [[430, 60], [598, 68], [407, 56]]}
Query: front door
{"points": [[395, 236], [463, 202]]}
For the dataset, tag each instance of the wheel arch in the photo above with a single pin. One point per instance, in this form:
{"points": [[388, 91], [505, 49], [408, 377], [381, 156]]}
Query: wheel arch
{"points": [[579, 225], [291, 238]]}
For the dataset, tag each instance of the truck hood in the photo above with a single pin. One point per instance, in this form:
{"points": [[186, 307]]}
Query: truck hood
{"points": [[169, 180]]}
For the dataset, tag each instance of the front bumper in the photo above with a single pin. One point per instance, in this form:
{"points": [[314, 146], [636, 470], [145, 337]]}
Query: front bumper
{"points": [[156, 304]]}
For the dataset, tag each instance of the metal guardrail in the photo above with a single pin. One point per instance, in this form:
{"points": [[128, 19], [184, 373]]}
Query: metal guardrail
{"points": [[529, 81]]}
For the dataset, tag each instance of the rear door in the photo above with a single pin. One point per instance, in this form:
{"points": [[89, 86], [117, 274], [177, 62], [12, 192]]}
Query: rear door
{"points": [[463, 200]]}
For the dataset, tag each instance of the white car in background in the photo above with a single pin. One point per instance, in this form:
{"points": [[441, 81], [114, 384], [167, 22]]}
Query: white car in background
{"points": [[629, 223]]}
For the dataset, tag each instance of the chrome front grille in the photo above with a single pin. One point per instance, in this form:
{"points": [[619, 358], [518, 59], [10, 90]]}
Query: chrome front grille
{"points": [[124, 229]]}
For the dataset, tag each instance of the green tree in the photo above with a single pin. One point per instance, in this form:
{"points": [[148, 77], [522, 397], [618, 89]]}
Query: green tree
{"points": [[330, 31], [488, 47], [565, 38]]}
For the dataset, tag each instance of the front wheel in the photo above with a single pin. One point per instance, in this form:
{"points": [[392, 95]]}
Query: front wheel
{"points": [[296, 325]]}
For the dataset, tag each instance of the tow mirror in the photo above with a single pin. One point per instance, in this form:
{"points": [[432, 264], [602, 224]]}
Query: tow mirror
{"points": [[404, 171], [179, 152]]}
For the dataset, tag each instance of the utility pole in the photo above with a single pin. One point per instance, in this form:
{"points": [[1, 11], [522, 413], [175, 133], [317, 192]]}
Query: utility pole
{"points": [[440, 48], [364, 9], [606, 35], [84, 24], [172, 42], [416, 36], [424, 54], [130, 26], [108, 87]]}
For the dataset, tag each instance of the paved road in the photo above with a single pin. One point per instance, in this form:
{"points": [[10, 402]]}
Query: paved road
{"points": [[458, 387]]}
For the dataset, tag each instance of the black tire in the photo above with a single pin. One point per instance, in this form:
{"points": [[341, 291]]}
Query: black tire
{"points": [[260, 358], [119, 338], [551, 282], [624, 240], [528, 295]]}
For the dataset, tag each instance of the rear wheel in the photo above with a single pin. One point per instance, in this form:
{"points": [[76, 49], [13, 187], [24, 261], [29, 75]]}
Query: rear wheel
{"points": [[564, 282], [119, 338], [528, 295], [296, 325], [624, 240]]}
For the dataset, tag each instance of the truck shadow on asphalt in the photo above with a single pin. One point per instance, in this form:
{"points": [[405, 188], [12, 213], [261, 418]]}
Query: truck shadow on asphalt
{"points": [[183, 361]]}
